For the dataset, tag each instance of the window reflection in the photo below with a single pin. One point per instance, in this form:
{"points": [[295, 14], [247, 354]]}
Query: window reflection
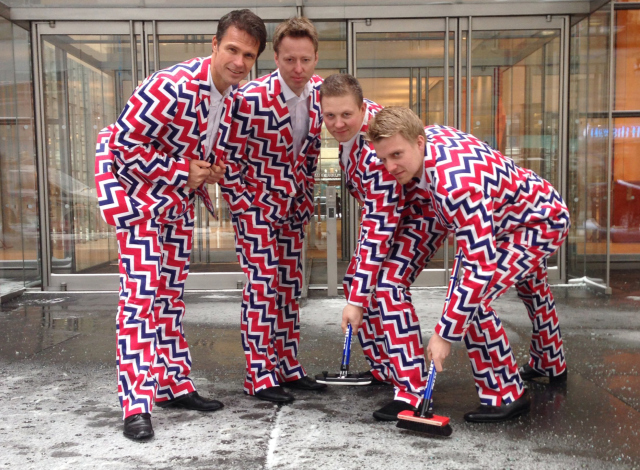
{"points": [[87, 80], [19, 247]]}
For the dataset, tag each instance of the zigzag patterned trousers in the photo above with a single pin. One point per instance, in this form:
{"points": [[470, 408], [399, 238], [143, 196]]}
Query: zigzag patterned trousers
{"points": [[270, 256], [390, 334], [153, 357], [524, 266]]}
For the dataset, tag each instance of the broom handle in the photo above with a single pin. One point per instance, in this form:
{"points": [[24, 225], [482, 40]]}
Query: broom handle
{"points": [[346, 351], [428, 391]]}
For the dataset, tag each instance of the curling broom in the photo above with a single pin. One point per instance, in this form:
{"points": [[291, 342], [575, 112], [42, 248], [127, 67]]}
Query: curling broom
{"points": [[343, 377], [425, 421]]}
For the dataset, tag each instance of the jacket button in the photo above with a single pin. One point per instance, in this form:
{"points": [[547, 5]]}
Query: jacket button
{"points": [[292, 194]]}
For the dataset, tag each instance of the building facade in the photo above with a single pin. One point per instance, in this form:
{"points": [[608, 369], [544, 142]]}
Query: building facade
{"points": [[551, 84]]}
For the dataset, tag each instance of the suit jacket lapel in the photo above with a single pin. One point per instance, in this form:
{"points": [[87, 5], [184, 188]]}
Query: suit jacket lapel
{"points": [[203, 102], [315, 125], [281, 111]]}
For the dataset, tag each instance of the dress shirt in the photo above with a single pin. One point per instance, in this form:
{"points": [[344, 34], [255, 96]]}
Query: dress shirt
{"points": [[215, 113], [346, 150], [299, 112]]}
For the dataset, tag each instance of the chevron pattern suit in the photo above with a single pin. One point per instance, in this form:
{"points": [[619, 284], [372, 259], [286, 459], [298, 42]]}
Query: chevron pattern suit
{"points": [[270, 195], [142, 167], [507, 222], [399, 233]]}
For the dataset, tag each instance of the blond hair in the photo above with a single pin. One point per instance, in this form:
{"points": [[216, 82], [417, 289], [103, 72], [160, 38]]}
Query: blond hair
{"points": [[297, 27], [395, 120]]}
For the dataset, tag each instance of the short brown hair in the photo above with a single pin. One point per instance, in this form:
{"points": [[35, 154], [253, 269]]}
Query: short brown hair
{"points": [[247, 21], [395, 120], [342, 84], [297, 27]]}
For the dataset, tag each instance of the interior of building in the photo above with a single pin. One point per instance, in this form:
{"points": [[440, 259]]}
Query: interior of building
{"points": [[551, 84]]}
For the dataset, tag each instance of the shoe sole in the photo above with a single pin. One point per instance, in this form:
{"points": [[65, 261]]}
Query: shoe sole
{"points": [[134, 437], [279, 402], [383, 417], [178, 406], [308, 389], [553, 379], [500, 420]]}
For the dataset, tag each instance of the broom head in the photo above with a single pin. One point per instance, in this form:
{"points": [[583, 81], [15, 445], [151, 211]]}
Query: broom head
{"points": [[432, 424], [337, 379]]}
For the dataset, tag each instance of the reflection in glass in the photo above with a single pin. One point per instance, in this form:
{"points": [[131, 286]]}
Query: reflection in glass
{"points": [[87, 80], [407, 69], [19, 248], [515, 102], [515, 97], [588, 146], [627, 69]]}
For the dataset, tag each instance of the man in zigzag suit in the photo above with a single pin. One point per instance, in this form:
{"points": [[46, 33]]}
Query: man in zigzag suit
{"points": [[507, 221], [272, 158], [150, 165], [399, 234]]}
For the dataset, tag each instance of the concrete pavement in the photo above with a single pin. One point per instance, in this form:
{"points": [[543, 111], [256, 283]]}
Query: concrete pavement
{"points": [[60, 409]]}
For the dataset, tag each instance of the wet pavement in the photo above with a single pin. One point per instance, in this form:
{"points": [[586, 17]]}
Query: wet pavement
{"points": [[60, 409]]}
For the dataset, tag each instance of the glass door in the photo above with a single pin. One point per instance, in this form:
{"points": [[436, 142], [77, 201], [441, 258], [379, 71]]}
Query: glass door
{"points": [[83, 79], [410, 63], [83, 82], [500, 79], [517, 94]]}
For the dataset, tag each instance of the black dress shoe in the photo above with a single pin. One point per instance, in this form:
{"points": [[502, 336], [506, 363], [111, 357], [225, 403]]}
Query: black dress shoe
{"points": [[138, 427], [275, 394], [369, 375], [494, 414], [389, 412], [529, 373], [191, 401], [305, 383]]}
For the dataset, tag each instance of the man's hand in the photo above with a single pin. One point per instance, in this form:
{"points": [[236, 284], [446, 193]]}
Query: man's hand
{"points": [[438, 350], [216, 173], [352, 314], [198, 172]]}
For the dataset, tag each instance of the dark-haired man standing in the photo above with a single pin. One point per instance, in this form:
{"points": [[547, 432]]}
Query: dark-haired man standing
{"points": [[150, 165]]}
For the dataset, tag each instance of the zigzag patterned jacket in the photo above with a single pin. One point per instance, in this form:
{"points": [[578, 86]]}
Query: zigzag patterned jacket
{"points": [[142, 160], [483, 197], [382, 199], [262, 170]]}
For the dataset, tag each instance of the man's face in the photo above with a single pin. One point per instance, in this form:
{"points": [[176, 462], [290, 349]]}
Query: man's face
{"points": [[403, 159], [296, 59], [342, 116], [232, 58]]}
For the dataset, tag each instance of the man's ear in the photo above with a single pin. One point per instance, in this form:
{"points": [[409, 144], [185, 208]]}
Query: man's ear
{"points": [[421, 142]]}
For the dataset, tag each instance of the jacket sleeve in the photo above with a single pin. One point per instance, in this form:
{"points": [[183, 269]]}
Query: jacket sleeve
{"points": [[148, 112], [380, 216], [233, 187], [471, 212]]}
